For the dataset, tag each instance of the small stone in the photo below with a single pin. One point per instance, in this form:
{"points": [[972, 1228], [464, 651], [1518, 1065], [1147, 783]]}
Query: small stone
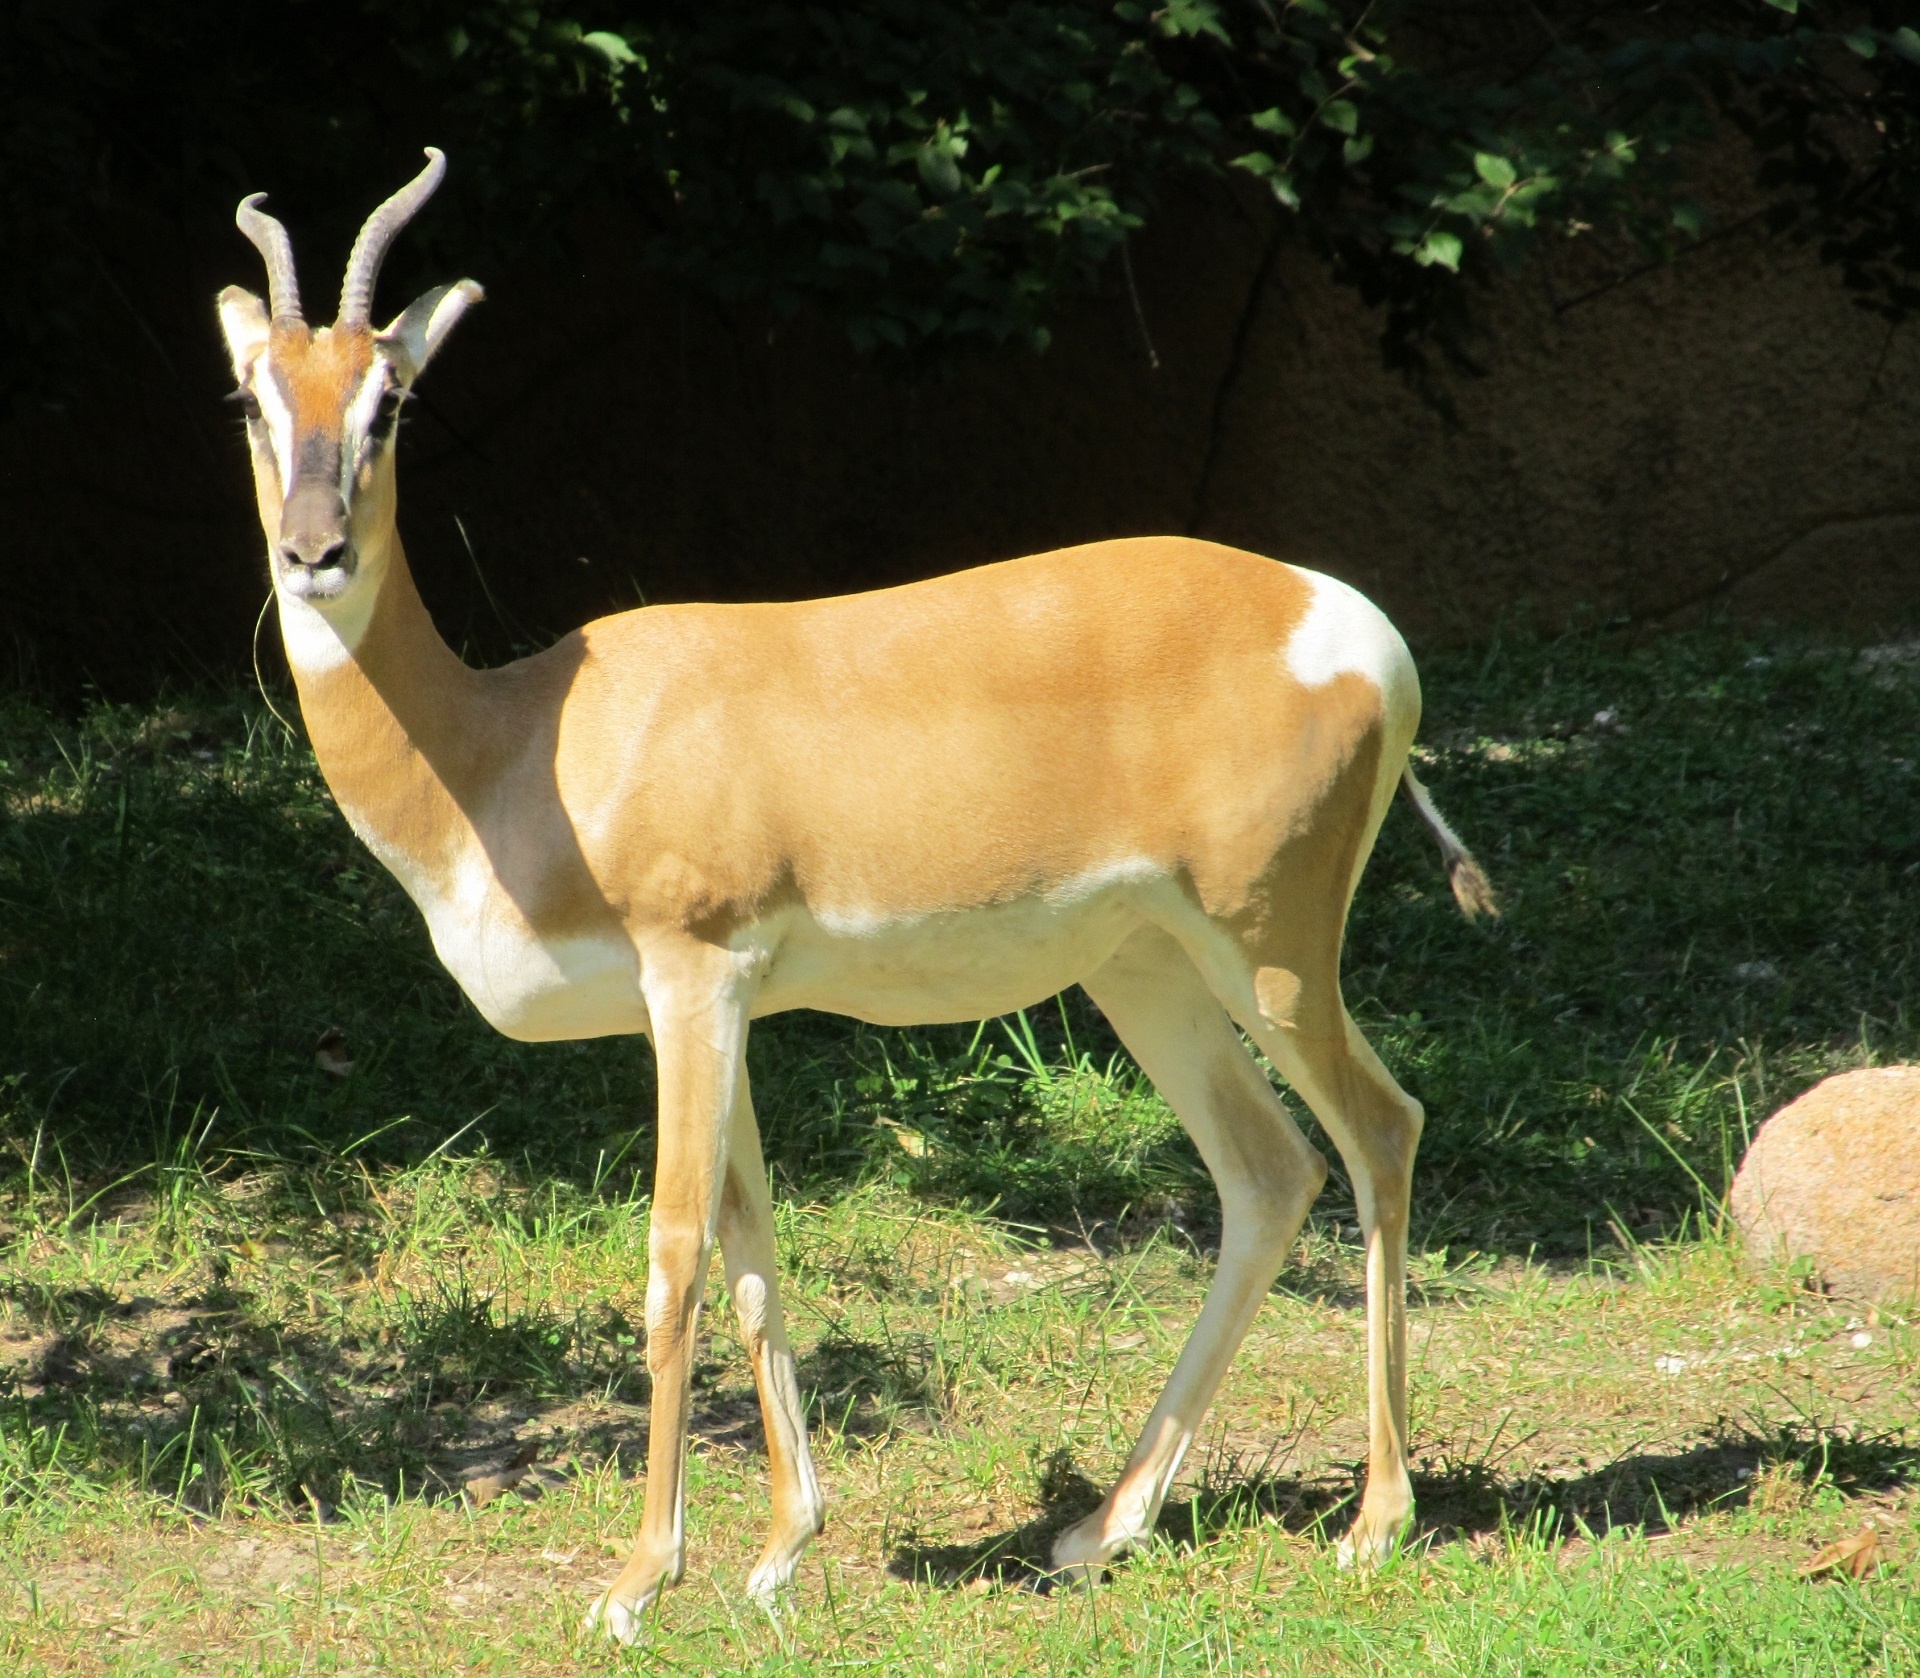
{"points": [[1669, 1365], [331, 1054], [486, 1488], [1862, 1341], [1834, 1178]]}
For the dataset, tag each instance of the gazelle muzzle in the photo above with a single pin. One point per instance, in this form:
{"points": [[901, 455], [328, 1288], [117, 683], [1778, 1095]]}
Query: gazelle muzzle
{"points": [[315, 554]]}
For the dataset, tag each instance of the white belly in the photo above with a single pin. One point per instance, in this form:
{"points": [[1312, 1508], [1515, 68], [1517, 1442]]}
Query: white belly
{"points": [[961, 964], [890, 970]]}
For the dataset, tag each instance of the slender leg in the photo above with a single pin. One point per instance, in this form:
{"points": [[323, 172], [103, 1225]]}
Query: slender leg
{"points": [[699, 1033], [746, 1241], [1376, 1126], [1267, 1175]]}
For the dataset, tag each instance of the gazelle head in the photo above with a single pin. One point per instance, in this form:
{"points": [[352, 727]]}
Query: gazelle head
{"points": [[321, 403]]}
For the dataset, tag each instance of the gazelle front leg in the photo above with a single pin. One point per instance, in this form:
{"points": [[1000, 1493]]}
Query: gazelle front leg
{"points": [[698, 1008], [747, 1243]]}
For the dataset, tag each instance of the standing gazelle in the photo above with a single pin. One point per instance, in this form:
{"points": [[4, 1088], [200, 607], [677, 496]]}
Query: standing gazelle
{"points": [[1152, 767]]}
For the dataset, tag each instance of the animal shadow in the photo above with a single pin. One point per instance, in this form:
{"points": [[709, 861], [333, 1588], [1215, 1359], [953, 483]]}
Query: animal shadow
{"points": [[1454, 1501], [1020, 1557]]}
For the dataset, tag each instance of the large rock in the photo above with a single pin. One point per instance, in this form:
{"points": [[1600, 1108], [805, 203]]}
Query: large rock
{"points": [[1835, 1177]]}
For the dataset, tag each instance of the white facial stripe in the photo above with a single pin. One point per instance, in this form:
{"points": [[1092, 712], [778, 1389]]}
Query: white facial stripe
{"points": [[358, 421], [279, 422]]}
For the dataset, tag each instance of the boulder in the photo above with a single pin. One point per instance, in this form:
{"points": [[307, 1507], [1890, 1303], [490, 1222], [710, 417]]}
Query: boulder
{"points": [[1835, 1178]]}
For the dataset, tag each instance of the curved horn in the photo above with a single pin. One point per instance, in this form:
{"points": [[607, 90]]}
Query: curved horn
{"points": [[270, 239], [370, 249]]}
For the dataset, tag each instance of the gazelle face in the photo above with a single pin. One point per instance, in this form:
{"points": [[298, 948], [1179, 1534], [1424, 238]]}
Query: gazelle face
{"points": [[321, 407]]}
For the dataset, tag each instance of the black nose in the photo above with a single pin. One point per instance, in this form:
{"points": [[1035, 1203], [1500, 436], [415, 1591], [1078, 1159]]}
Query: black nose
{"points": [[314, 552]]}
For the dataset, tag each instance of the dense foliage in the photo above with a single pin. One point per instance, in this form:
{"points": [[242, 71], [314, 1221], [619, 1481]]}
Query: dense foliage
{"points": [[945, 170]]}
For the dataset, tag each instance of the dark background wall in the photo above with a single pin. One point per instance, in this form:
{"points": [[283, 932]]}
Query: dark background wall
{"points": [[1727, 433]]}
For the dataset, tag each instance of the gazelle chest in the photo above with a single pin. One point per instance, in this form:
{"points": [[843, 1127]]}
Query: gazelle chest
{"points": [[530, 984]]}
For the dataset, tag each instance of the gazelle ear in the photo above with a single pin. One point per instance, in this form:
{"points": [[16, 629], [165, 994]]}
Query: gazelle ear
{"points": [[422, 327], [245, 325]]}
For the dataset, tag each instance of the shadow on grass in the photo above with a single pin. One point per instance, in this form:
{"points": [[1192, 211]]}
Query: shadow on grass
{"points": [[1016, 1558], [1648, 1491], [209, 1400], [864, 1388], [1655, 1491]]}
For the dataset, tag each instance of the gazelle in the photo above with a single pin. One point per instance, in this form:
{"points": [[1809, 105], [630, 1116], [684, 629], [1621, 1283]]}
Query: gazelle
{"points": [[1152, 767]]}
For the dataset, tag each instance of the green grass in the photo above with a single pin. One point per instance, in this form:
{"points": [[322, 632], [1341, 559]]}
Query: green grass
{"points": [[258, 1321]]}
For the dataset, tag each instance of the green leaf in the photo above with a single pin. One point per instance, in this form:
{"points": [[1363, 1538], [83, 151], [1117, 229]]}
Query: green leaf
{"points": [[613, 48], [1341, 115], [1273, 121], [1862, 42], [1495, 170], [1907, 44], [937, 166], [1356, 150], [1790, 7], [1440, 249], [1192, 17], [1690, 218]]}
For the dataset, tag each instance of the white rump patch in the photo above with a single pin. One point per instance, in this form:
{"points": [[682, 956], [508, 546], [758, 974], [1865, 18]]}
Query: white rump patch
{"points": [[1344, 633]]}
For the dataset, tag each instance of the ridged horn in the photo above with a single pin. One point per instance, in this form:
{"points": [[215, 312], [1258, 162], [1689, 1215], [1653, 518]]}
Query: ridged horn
{"points": [[370, 249], [270, 239]]}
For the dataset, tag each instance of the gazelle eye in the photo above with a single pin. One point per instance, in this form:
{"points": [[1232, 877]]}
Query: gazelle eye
{"points": [[247, 402], [386, 414]]}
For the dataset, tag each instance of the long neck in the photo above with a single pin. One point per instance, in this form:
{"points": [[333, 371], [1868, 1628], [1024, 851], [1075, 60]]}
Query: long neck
{"points": [[400, 725]]}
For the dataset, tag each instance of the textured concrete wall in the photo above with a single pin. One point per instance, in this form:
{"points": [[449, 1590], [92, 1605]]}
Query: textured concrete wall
{"points": [[1727, 433], [1730, 433]]}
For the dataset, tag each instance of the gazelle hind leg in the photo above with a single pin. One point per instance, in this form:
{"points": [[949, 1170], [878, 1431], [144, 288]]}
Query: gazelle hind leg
{"points": [[1267, 1175], [747, 1246], [1376, 1126]]}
